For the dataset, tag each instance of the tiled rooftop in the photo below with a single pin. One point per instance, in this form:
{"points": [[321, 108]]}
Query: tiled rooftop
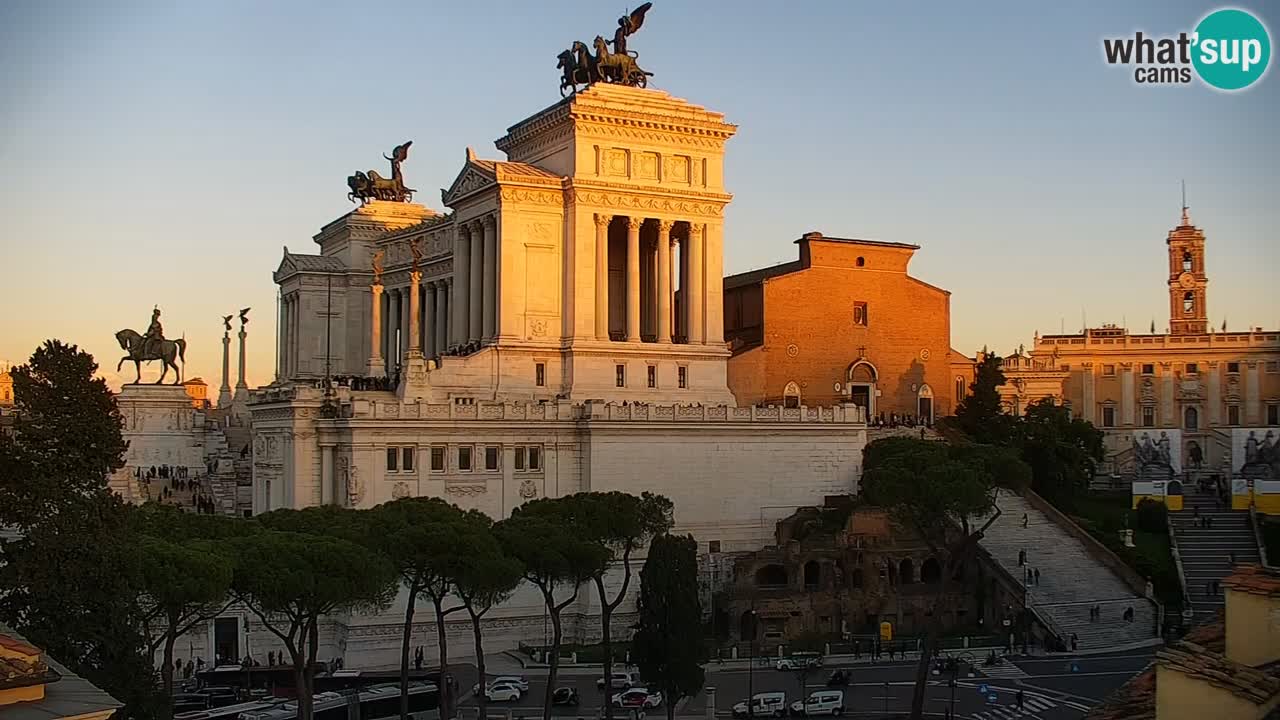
{"points": [[1254, 579]]}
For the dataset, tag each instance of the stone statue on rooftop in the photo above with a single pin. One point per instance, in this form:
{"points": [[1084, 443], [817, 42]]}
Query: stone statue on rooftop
{"points": [[372, 186], [580, 67], [151, 346]]}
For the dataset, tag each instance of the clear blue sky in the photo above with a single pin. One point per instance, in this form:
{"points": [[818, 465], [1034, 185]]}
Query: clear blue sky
{"points": [[163, 152]]}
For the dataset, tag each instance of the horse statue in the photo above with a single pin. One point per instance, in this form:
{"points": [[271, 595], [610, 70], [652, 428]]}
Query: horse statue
{"points": [[577, 66], [166, 351], [372, 186], [619, 68]]}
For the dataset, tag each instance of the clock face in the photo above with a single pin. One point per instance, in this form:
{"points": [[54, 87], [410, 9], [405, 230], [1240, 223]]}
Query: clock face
{"points": [[1186, 280]]}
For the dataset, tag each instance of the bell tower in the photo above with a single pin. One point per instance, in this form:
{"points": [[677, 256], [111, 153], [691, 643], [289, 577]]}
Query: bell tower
{"points": [[1188, 285]]}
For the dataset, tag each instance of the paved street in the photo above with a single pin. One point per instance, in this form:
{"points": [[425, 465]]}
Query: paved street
{"points": [[1054, 688]]}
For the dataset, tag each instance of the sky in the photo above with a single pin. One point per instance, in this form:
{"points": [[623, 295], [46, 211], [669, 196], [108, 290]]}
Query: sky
{"points": [[165, 152]]}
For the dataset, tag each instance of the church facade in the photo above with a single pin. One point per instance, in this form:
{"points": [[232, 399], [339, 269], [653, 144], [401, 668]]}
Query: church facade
{"points": [[559, 330]]}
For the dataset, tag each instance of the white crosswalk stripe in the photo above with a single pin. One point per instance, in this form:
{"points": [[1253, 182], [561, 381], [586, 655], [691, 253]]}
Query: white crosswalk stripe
{"points": [[1005, 669]]}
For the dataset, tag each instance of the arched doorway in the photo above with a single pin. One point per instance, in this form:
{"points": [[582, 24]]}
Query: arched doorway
{"points": [[747, 626], [924, 404], [812, 574], [862, 376], [930, 571], [906, 572], [791, 396], [1191, 419]]}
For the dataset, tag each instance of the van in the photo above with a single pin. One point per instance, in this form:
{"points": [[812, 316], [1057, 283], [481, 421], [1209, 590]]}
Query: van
{"points": [[821, 702], [767, 704]]}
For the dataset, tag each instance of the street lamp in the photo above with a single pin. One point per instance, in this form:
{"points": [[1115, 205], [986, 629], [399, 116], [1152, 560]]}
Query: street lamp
{"points": [[751, 667]]}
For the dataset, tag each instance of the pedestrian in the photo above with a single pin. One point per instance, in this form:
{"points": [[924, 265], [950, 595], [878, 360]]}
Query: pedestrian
{"points": [[857, 649], [1231, 559], [1024, 520], [1037, 577], [1075, 642], [1208, 521], [1019, 699]]}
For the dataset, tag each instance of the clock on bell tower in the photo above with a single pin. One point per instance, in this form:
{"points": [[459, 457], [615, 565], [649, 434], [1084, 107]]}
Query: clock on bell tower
{"points": [[1188, 285]]}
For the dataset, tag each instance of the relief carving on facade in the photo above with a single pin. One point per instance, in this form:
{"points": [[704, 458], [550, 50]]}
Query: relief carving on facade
{"points": [[626, 201], [1148, 391], [538, 327], [1233, 388], [465, 490], [469, 183], [528, 490], [532, 197], [400, 490]]}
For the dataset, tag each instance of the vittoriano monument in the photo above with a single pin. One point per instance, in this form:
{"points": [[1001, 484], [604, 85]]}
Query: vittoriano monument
{"points": [[152, 346], [372, 186], [580, 67]]}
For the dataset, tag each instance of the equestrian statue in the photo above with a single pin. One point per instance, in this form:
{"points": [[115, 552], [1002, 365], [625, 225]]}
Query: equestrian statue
{"points": [[372, 186], [579, 67], [152, 346]]}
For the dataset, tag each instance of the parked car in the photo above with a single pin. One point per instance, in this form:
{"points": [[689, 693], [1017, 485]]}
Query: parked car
{"points": [[221, 696], [635, 713], [765, 705], [565, 696], [502, 692], [516, 680], [620, 681], [800, 660], [839, 678], [822, 702], [638, 697]]}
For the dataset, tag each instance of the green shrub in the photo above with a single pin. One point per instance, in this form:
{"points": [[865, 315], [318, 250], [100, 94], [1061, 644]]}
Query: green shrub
{"points": [[1153, 516]]}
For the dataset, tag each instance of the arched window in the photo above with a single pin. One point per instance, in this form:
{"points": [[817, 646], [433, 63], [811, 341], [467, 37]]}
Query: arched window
{"points": [[812, 574], [1188, 302], [930, 571], [791, 395], [855, 579], [1186, 261], [1191, 418], [771, 575], [861, 262], [959, 389], [924, 405], [906, 572]]}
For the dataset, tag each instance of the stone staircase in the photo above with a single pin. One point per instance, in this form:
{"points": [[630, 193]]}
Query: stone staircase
{"points": [[1206, 553], [1071, 580]]}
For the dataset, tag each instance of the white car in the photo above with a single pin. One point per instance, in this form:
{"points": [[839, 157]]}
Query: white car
{"points": [[800, 661], [620, 681], [516, 680], [822, 702], [765, 704], [638, 697], [502, 692]]}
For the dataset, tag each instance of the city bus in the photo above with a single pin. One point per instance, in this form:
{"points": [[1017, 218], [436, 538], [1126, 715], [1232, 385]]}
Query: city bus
{"points": [[375, 702]]}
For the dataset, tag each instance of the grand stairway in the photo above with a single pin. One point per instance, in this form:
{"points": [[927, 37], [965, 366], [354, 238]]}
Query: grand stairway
{"points": [[1206, 553], [1071, 581]]}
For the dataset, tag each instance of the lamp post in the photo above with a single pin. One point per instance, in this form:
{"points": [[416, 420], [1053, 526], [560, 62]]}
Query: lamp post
{"points": [[751, 668]]}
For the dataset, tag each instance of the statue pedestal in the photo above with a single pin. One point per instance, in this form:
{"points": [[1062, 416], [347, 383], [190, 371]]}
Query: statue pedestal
{"points": [[163, 428], [375, 367], [414, 384]]}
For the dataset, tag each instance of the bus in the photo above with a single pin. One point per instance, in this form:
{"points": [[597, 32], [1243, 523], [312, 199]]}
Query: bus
{"points": [[231, 712], [375, 702]]}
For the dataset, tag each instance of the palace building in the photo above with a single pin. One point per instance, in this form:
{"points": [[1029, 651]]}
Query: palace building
{"points": [[1206, 391], [558, 330]]}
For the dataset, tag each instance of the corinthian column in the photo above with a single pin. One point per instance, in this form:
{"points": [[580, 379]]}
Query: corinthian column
{"points": [[461, 286], [664, 281], [602, 276], [224, 392], [633, 278], [241, 385], [412, 343], [393, 330], [490, 300], [442, 315], [429, 321], [375, 367], [694, 297], [476, 289]]}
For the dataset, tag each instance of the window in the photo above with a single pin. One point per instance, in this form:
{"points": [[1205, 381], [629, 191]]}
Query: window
{"points": [[1273, 414], [1109, 370], [1186, 260], [540, 374], [528, 458], [1148, 368], [1108, 416], [861, 262], [491, 458], [621, 372], [464, 458], [682, 377], [406, 459], [1193, 369], [519, 459], [652, 378], [1064, 367], [1188, 303], [713, 546], [393, 459], [437, 459], [860, 314], [959, 388], [1233, 414], [1233, 367], [1273, 366], [1191, 419], [1148, 416]]}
